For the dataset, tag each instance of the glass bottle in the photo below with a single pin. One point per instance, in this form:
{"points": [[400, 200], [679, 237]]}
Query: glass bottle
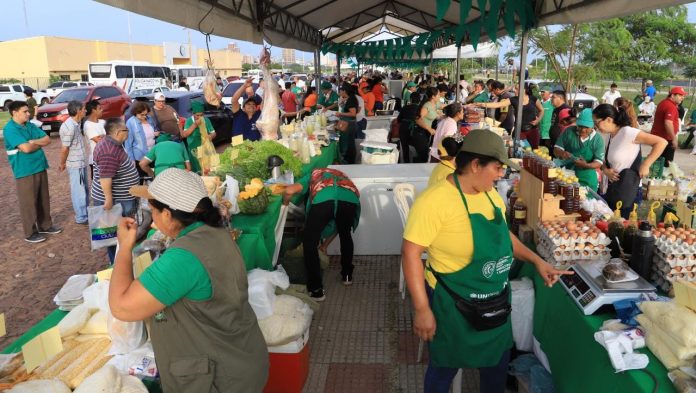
{"points": [[519, 215], [567, 193], [553, 174], [511, 201], [576, 195]]}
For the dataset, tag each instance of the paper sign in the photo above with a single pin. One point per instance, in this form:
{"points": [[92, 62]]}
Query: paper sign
{"points": [[3, 330], [237, 140], [41, 348], [104, 275], [141, 263]]}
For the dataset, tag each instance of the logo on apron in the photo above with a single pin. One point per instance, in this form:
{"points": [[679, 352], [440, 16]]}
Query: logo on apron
{"points": [[503, 265], [488, 269]]}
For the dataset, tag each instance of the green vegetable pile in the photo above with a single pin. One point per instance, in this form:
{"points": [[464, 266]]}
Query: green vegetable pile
{"points": [[252, 160]]}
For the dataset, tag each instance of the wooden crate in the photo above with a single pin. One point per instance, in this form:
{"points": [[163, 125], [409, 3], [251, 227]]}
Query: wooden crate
{"points": [[662, 193], [686, 215], [540, 206]]}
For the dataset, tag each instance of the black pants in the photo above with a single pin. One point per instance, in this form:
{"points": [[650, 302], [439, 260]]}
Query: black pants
{"points": [[319, 216], [668, 153], [405, 141], [420, 140], [690, 131]]}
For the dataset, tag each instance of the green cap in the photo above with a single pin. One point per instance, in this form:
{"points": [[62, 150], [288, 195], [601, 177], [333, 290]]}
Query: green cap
{"points": [[411, 84], [326, 86], [197, 107], [487, 143], [585, 119]]}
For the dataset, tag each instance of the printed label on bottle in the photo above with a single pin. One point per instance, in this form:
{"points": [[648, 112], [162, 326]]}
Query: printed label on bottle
{"points": [[553, 172], [520, 214]]}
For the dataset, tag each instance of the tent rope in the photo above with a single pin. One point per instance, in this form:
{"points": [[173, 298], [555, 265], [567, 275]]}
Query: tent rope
{"points": [[207, 35]]}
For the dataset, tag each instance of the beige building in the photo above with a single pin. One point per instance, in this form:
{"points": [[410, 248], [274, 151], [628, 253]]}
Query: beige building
{"points": [[288, 56], [248, 59], [36, 59]]}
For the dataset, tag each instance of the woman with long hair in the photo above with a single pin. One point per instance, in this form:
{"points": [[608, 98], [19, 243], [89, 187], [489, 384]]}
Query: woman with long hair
{"points": [[422, 134], [627, 106], [447, 126], [623, 164]]}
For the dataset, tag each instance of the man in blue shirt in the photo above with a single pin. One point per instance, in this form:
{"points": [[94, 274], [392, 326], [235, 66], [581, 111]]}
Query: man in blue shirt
{"points": [[24, 142], [245, 117], [650, 90]]}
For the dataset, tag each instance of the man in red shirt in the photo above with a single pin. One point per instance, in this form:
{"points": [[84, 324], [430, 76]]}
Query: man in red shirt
{"points": [[288, 99], [666, 122]]}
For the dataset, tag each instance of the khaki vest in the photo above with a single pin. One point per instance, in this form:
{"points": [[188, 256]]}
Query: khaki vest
{"points": [[167, 120], [214, 345]]}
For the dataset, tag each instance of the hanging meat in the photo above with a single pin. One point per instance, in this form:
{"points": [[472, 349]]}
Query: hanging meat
{"points": [[210, 92], [269, 121]]}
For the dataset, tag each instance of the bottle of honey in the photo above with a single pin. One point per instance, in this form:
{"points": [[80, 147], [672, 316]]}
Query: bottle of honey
{"points": [[519, 214]]}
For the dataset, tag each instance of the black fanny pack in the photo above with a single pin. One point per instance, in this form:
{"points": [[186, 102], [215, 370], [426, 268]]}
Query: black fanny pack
{"points": [[481, 314]]}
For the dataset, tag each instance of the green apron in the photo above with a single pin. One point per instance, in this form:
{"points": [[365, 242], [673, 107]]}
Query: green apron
{"points": [[587, 177], [456, 344]]}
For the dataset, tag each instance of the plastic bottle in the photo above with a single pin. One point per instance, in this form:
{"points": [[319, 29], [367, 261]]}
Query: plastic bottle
{"points": [[631, 230], [519, 215]]}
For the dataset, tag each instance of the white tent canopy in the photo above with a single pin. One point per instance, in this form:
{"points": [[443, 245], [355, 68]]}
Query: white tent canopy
{"points": [[307, 24], [488, 49]]}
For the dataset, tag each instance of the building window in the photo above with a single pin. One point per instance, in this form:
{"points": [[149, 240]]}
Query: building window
{"points": [[84, 77], [64, 77]]}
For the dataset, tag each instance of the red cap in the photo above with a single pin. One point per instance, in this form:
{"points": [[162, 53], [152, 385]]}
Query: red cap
{"points": [[564, 114], [678, 90]]}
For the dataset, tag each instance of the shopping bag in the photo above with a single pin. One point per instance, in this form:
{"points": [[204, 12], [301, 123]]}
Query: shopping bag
{"points": [[103, 224]]}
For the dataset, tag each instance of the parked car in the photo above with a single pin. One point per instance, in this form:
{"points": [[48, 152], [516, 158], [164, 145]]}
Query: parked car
{"points": [[113, 99], [15, 92], [580, 100], [220, 118], [144, 92], [232, 88], [56, 88]]}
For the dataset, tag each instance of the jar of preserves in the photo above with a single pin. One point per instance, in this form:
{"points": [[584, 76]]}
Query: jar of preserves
{"points": [[519, 217]]}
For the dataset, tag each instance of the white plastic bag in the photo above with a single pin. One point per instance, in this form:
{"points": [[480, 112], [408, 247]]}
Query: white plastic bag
{"points": [[262, 285], [41, 385], [522, 316], [103, 224], [74, 321], [231, 193], [96, 296], [125, 336], [290, 320]]}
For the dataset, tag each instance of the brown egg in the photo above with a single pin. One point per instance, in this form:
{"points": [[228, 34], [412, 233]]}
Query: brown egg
{"points": [[678, 269], [571, 226], [690, 241], [672, 238], [565, 235], [682, 237]]}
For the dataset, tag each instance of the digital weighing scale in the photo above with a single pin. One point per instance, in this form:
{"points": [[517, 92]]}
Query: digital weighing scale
{"points": [[590, 291]]}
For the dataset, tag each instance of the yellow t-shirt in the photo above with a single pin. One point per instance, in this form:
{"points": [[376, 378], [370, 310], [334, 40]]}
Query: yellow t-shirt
{"points": [[438, 220], [440, 172]]}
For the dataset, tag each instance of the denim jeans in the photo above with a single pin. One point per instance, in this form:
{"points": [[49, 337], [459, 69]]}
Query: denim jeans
{"points": [[79, 193], [128, 209]]}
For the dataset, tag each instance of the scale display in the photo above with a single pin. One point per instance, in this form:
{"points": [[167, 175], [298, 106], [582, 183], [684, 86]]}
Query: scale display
{"points": [[590, 291]]}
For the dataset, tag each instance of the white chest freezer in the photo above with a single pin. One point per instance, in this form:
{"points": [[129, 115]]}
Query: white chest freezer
{"points": [[380, 230]]}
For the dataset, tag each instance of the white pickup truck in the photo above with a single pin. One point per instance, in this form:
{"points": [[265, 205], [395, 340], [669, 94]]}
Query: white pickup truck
{"points": [[15, 92], [57, 87]]}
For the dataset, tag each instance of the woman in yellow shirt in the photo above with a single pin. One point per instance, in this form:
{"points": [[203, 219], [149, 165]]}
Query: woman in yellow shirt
{"points": [[447, 150], [463, 309]]}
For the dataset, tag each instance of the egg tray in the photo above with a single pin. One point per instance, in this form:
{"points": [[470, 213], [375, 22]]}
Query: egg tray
{"points": [[661, 282], [600, 239], [556, 256]]}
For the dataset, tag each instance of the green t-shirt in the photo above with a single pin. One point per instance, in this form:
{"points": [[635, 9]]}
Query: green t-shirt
{"points": [[693, 116], [545, 123], [325, 102], [570, 142], [406, 98], [24, 164], [167, 155], [177, 274], [298, 93], [481, 97]]}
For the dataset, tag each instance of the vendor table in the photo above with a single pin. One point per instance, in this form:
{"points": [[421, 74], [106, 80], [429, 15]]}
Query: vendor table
{"points": [[262, 233], [578, 363]]}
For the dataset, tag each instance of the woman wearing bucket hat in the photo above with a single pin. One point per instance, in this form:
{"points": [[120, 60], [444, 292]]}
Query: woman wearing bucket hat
{"points": [[463, 308], [196, 126], [582, 149], [204, 332]]}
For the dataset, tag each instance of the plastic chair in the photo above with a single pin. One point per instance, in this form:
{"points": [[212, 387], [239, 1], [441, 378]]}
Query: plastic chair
{"points": [[390, 105], [404, 194]]}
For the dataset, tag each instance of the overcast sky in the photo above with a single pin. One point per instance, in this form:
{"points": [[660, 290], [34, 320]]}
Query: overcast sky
{"points": [[88, 19]]}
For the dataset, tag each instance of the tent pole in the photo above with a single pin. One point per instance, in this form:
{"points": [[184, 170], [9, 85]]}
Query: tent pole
{"points": [[497, 60], [456, 74], [523, 63], [318, 69]]}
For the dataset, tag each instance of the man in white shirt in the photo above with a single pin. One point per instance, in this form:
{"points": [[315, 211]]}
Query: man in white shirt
{"points": [[463, 89], [611, 95], [647, 107]]}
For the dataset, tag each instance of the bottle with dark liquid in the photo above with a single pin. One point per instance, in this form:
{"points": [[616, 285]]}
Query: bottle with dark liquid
{"points": [[519, 215]]}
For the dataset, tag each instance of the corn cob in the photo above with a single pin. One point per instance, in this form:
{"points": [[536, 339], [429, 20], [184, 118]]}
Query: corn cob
{"points": [[64, 361], [68, 347], [88, 370], [96, 350]]}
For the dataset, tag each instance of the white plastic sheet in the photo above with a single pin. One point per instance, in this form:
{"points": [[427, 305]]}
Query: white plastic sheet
{"points": [[522, 316], [262, 285]]}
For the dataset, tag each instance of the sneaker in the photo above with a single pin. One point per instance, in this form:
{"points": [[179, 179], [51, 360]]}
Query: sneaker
{"points": [[347, 279], [317, 295], [83, 223], [35, 238], [54, 230]]}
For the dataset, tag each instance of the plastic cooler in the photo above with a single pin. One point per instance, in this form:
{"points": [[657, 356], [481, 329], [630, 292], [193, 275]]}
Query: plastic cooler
{"points": [[379, 153], [289, 366], [377, 135]]}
